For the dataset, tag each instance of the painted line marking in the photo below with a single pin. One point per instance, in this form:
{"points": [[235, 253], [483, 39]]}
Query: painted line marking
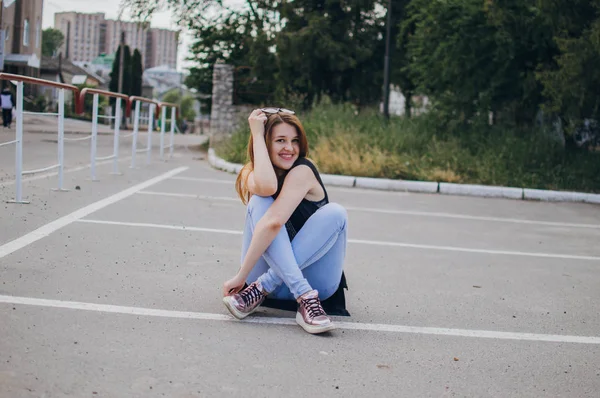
{"points": [[162, 226], [185, 195], [358, 241], [329, 187], [55, 225], [73, 305], [477, 218], [212, 180], [402, 212]]}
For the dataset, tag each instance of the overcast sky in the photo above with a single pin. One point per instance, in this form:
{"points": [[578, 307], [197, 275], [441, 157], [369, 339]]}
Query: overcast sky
{"points": [[111, 9]]}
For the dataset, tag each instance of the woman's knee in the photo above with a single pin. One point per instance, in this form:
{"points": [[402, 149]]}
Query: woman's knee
{"points": [[258, 205], [337, 213]]}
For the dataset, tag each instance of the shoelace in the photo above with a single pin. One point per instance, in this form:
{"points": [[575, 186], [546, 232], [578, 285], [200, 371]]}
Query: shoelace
{"points": [[250, 296], [313, 306]]}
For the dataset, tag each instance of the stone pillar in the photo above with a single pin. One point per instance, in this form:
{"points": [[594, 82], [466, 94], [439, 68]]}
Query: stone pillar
{"points": [[222, 113]]}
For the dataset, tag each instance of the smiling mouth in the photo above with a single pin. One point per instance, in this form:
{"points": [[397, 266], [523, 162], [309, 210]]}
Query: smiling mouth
{"points": [[286, 156]]}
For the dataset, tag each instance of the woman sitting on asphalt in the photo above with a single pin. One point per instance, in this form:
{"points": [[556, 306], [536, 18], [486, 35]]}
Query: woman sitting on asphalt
{"points": [[294, 241]]}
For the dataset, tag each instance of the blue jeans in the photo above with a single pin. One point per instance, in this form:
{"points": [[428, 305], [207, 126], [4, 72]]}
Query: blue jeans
{"points": [[313, 260]]}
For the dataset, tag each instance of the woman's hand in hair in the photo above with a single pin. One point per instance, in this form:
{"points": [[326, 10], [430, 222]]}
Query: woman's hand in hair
{"points": [[257, 120]]}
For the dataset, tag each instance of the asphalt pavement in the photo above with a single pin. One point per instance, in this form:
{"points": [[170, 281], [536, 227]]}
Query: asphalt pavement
{"points": [[113, 289]]}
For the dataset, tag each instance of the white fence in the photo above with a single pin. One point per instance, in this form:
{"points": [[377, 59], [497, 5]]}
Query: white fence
{"points": [[155, 108]]}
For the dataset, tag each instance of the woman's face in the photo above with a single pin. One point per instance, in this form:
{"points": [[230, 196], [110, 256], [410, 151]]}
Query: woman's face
{"points": [[284, 146]]}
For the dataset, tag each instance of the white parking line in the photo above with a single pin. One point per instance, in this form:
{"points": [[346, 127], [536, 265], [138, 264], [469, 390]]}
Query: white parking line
{"points": [[162, 226], [115, 309], [55, 225], [358, 241], [185, 195], [476, 218], [211, 180], [329, 187], [402, 212]]}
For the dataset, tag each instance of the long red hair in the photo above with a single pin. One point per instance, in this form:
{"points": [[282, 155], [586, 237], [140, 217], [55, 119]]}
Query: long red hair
{"points": [[241, 183]]}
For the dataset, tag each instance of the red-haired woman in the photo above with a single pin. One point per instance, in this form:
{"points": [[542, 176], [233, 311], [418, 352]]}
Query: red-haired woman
{"points": [[294, 239]]}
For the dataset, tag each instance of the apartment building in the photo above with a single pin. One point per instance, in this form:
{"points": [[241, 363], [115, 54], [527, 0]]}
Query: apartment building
{"points": [[83, 34], [162, 48], [135, 37], [89, 35], [22, 31]]}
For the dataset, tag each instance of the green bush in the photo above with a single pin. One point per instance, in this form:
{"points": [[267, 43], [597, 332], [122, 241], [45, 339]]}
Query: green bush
{"points": [[345, 141]]}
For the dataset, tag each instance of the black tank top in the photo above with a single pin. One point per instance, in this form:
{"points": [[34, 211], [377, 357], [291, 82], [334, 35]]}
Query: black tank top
{"points": [[306, 208]]}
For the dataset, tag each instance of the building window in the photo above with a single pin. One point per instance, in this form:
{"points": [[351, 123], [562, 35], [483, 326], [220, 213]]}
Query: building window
{"points": [[38, 34], [26, 32]]}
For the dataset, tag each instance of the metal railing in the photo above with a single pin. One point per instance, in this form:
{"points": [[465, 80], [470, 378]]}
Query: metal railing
{"points": [[154, 107], [164, 106], [94, 136], [18, 141]]}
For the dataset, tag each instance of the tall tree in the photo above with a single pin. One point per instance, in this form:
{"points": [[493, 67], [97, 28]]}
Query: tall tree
{"points": [[235, 39], [474, 57], [127, 73], [306, 47], [137, 72], [400, 59], [52, 39], [332, 48], [572, 83]]}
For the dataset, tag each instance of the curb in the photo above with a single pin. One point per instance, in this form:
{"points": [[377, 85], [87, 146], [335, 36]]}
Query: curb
{"points": [[443, 188], [481, 190]]}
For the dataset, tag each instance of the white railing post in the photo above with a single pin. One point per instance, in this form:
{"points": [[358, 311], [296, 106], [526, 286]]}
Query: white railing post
{"points": [[116, 138], [163, 120], [173, 114], [94, 137], [61, 138], [136, 125], [150, 129], [19, 146]]}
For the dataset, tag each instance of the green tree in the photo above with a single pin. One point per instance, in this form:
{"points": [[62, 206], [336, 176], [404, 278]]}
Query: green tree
{"points": [[475, 57], [400, 60], [137, 71], [127, 73], [309, 48], [187, 104], [571, 84], [52, 39], [332, 48]]}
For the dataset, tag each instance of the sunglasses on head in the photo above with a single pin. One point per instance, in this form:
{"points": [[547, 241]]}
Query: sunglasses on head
{"points": [[278, 110]]}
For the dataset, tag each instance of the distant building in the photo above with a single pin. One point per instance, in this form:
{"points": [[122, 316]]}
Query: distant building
{"points": [[135, 37], [22, 24], [161, 48], [88, 36], [163, 79], [82, 34], [61, 70]]}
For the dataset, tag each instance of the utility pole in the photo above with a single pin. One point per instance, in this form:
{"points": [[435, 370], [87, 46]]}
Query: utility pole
{"points": [[2, 38], [121, 66], [386, 66]]}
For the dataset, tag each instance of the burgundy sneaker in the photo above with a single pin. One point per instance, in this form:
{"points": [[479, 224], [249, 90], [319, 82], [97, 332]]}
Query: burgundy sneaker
{"points": [[311, 315], [245, 302]]}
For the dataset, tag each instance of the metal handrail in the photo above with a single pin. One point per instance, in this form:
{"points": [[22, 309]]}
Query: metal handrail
{"points": [[41, 82], [33, 80], [134, 98], [89, 90]]}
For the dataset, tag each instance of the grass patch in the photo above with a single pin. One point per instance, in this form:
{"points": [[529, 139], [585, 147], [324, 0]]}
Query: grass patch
{"points": [[421, 148]]}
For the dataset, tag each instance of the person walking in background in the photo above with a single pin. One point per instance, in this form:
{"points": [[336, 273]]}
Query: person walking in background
{"points": [[7, 102]]}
